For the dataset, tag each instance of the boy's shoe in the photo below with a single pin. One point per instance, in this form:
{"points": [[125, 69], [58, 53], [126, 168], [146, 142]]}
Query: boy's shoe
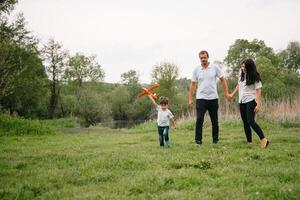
{"points": [[215, 142], [168, 143], [198, 143]]}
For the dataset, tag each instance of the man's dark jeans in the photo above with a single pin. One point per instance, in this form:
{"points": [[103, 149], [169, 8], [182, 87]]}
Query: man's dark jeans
{"points": [[203, 105]]}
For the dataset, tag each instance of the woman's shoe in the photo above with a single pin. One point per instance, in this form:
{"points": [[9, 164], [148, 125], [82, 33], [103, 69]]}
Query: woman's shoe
{"points": [[264, 143]]}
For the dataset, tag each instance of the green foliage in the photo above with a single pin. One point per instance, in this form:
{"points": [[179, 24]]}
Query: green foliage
{"points": [[92, 107], [55, 60], [130, 78], [120, 103], [19, 126], [7, 5], [21, 70], [82, 68], [290, 57], [277, 83], [243, 49], [141, 109], [165, 74]]}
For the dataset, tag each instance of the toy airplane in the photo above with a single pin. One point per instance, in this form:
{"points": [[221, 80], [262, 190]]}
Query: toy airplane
{"points": [[148, 91]]}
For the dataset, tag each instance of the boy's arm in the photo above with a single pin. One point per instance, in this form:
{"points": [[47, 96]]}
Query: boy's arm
{"points": [[173, 123], [153, 101]]}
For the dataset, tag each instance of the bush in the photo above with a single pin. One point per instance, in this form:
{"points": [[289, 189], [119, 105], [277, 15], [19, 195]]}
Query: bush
{"points": [[10, 125], [60, 123]]}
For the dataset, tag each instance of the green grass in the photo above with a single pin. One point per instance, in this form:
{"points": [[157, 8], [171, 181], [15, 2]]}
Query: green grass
{"points": [[101, 163]]}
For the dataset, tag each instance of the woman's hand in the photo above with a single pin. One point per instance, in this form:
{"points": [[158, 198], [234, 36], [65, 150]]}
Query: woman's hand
{"points": [[257, 107]]}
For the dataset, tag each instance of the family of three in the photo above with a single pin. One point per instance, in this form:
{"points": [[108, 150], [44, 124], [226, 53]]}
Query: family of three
{"points": [[205, 80]]}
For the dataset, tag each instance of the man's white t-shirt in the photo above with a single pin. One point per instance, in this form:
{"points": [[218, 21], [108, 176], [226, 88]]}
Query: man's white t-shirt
{"points": [[207, 81], [163, 116]]}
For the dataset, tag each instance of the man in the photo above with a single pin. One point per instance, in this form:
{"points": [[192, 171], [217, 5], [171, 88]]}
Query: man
{"points": [[207, 96]]}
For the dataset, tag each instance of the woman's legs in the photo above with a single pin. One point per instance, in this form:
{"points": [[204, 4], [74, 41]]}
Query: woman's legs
{"points": [[247, 129], [250, 106]]}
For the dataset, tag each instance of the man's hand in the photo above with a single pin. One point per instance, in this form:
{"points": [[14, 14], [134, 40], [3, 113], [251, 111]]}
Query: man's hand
{"points": [[228, 97]]}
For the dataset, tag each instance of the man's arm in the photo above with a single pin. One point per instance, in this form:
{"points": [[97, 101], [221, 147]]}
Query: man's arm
{"points": [[192, 93], [225, 88]]}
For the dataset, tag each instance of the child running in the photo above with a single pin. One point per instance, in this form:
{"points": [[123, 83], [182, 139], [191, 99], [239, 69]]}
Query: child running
{"points": [[164, 115]]}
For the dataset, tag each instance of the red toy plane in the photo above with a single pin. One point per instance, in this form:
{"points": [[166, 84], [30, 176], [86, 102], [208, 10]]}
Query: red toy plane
{"points": [[148, 91]]}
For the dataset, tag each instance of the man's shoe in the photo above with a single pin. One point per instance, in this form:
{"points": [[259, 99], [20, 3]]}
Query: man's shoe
{"points": [[198, 143], [215, 142]]}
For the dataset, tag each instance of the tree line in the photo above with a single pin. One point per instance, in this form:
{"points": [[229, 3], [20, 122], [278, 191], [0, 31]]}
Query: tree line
{"points": [[48, 82]]}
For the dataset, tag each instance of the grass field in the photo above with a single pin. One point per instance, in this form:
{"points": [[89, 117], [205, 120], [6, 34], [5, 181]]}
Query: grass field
{"points": [[101, 163]]}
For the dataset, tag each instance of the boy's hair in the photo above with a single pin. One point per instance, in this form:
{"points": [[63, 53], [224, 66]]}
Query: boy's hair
{"points": [[163, 100]]}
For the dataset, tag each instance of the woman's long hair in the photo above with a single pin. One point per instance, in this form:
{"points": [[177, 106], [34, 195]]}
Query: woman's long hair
{"points": [[252, 75]]}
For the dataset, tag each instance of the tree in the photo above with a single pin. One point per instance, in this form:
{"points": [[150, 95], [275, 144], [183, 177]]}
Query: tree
{"points": [[165, 74], [82, 68], [243, 49], [14, 41], [131, 80], [277, 83], [22, 75], [92, 107], [120, 103], [7, 5], [55, 59], [130, 77], [290, 57]]}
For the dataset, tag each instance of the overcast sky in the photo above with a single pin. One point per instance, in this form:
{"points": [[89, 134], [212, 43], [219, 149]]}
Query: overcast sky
{"points": [[137, 34]]}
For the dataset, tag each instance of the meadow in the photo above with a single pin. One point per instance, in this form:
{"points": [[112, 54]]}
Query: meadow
{"points": [[104, 163]]}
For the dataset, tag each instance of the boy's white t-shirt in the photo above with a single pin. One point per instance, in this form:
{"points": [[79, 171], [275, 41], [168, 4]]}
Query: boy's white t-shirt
{"points": [[163, 116]]}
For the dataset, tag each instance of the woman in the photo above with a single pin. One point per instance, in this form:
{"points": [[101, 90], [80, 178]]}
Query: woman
{"points": [[249, 87]]}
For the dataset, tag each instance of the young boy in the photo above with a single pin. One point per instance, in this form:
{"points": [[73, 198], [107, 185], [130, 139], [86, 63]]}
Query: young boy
{"points": [[164, 115]]}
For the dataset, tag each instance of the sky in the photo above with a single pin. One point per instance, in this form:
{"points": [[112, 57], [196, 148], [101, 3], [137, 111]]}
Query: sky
{"points": [[139, 34]]}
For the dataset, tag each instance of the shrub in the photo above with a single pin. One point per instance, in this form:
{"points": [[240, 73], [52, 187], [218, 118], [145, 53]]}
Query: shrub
{"points": [[10, 125]]}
